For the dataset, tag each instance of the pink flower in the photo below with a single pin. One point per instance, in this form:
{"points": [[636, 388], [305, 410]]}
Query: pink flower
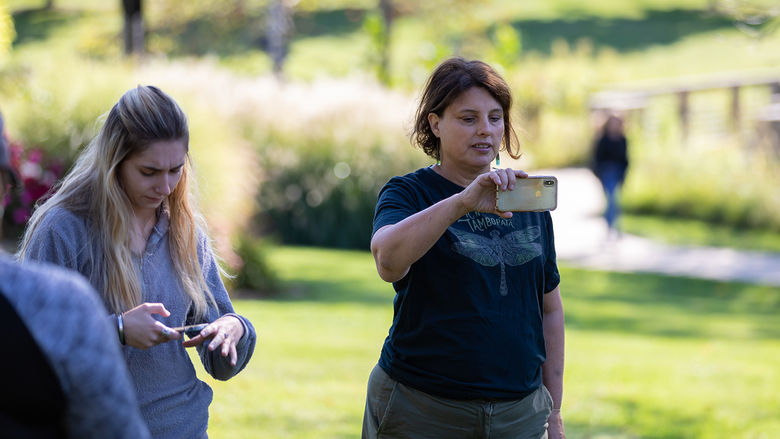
{"points": [[38, 175], [35, 189], [35, 156]]}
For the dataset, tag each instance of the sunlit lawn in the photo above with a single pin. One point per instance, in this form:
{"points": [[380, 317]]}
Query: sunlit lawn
{"points": [[647, 356]]}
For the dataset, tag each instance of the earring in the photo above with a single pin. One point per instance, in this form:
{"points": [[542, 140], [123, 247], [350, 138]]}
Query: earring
{"points": [[498, 160]]}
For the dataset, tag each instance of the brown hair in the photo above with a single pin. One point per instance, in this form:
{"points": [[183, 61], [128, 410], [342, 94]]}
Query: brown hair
{"points": [[448, 81]]}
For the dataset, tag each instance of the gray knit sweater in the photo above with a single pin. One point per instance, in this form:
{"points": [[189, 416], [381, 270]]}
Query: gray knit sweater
{"points": [[173, 401], [65, 317]]}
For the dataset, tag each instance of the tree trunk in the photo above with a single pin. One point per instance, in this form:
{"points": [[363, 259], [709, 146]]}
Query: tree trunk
{"points": [[388, 14], [134, 27]]}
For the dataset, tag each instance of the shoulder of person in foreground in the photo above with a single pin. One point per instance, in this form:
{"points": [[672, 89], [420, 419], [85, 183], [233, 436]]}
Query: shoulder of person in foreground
{"points": [[66, 319]]}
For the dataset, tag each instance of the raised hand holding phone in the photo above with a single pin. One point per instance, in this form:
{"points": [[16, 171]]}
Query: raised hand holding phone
{"points": [[532, 194]]}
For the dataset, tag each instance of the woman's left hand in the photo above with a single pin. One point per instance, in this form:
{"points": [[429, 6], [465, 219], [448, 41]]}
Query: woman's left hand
{"points": [[555, 426], [225, 332]]}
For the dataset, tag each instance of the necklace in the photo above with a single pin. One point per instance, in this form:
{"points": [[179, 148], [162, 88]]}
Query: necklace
{"points": [[139, 235]]}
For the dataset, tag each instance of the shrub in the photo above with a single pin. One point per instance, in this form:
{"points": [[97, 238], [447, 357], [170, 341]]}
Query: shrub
{"points": [[326, 194], [326, 158], [254, 274]]}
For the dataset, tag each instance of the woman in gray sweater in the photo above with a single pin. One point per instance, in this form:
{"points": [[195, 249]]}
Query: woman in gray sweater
{"points": [[123, 217], [63, 374]]}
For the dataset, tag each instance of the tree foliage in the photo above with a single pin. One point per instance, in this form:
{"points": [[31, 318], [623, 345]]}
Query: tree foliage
{"points": [[7, 31]]}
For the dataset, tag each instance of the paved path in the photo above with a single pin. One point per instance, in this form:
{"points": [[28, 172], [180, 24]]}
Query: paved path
{"points": [[581, 240]]}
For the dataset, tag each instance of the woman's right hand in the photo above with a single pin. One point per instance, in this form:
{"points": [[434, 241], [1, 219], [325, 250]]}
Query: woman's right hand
{"points": [[480, 195], [142, 331]]}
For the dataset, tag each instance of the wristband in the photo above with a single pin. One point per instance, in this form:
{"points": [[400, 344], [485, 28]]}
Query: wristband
{"points": [[120, 326]]}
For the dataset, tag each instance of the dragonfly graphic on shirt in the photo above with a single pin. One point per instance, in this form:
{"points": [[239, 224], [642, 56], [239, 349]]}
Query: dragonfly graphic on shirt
{"points": [[515, 248]]}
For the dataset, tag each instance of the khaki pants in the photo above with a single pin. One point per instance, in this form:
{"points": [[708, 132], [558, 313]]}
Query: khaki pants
{"points": [[395, 411]]}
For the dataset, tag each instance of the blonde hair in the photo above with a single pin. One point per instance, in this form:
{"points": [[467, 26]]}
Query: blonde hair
{"points": [[92, 189]]}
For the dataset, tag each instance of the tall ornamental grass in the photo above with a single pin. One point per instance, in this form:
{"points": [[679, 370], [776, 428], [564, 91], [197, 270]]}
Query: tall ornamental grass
{"points": [[324, 150]]}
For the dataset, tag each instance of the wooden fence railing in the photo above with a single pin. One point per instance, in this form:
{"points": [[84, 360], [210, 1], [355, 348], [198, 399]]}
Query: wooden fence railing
{"points": [[637, 96]]}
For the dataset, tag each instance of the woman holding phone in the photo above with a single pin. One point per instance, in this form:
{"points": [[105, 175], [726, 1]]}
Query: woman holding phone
{"points": [[124, 218], [56, 382], [476, 342]]}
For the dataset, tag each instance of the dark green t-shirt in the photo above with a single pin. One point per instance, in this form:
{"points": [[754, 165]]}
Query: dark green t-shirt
{"points": [[468, 315]]}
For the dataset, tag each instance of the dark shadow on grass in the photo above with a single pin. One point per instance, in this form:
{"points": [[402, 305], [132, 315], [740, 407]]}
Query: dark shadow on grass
{"points": [[621, 34], [328, 22], [661, 306], [324, 291], [668, 306], [621, 303], [247, 33], [209, 35], [697, 296], [39, 24]]}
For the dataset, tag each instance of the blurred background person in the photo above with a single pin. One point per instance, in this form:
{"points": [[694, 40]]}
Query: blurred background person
{"points": [[610, 162], [123, 218], [64, 375], [477, 339]]}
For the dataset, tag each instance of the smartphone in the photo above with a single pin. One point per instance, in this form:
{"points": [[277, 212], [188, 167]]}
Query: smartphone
{"points": [[532, 194], [191, 330]]}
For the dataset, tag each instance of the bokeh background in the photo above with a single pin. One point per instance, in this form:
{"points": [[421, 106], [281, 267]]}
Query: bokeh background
{"points": [[300, 111]]}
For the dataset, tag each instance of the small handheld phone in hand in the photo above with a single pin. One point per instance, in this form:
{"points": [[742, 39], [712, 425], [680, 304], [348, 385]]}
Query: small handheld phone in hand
{"points": [[191, 330], [532, 194]]}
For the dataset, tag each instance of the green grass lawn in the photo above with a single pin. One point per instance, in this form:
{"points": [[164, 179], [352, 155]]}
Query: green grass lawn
{"points": [[680, 231], [647, 356]]}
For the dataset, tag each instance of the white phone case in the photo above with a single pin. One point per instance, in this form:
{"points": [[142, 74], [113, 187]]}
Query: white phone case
{"points": [[532, 194]]}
